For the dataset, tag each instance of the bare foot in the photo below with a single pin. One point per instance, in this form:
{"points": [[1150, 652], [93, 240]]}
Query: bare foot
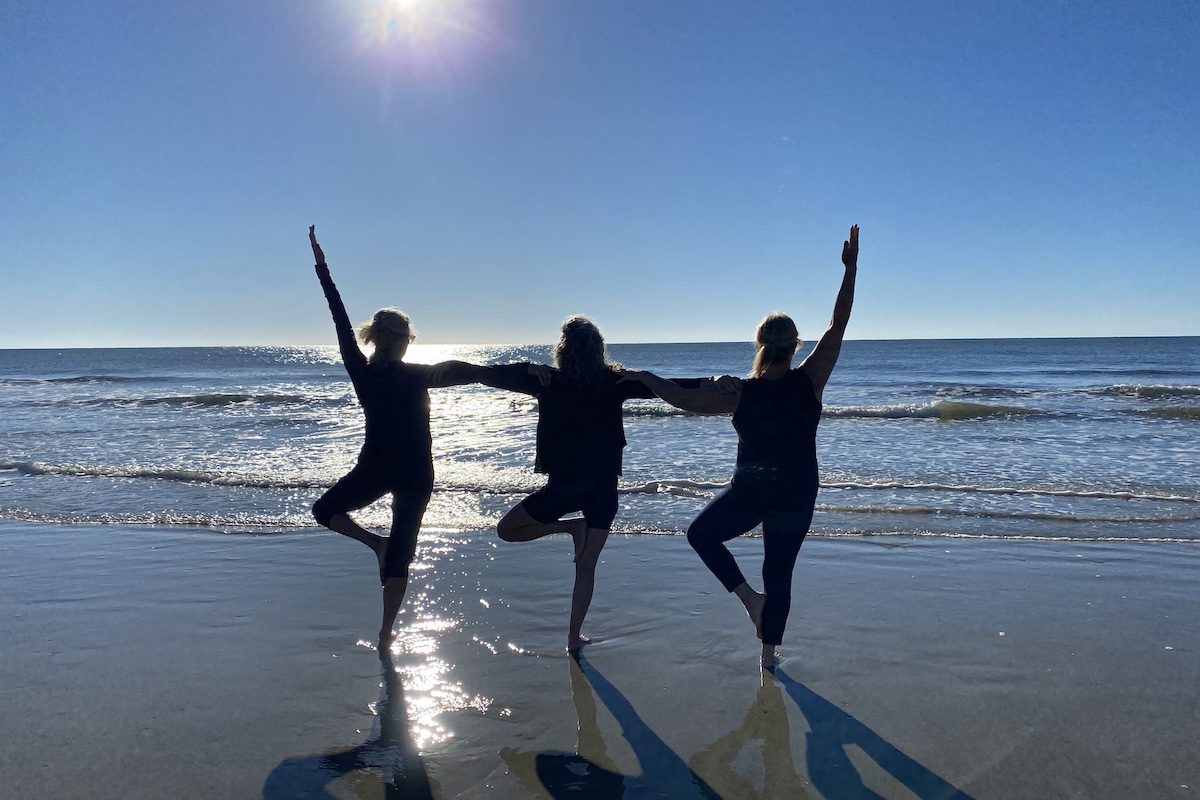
{"points": [[576, 642], [579, 530]]}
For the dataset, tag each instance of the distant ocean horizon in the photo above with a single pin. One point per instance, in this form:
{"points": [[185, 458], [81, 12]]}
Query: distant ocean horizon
{"points": [[1029, 438], [425, 342]]}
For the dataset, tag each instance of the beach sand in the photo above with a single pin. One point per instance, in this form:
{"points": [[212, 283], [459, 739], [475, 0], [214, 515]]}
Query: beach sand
{"points": [[177, 663]]}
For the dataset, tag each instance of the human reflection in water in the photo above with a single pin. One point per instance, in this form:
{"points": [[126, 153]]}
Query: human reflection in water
{"points": [[766, 722], [589, 772], [832, 730], [389, 758]]}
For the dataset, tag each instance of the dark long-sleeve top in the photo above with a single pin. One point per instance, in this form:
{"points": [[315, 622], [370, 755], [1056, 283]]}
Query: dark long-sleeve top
{"points": [[580, 433], [394, 398]]}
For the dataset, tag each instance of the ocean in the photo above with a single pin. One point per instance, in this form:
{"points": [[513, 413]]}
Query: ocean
{"points": [[1007, 438]]}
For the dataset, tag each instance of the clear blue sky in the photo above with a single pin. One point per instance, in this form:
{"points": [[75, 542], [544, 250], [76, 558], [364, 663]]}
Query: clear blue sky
{"points": [[674, 169]]}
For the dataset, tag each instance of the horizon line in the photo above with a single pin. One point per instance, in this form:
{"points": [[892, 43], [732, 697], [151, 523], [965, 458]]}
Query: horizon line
{"points": [[550, 344]]}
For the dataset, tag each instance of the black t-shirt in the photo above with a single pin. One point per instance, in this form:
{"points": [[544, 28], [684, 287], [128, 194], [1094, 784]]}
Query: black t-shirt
{"points": [[776, 422], [580, 433]]}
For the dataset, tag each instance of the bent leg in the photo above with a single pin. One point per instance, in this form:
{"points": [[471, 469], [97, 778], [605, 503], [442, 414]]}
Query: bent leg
{"points": [[518, 525], [783, 533], [360, 487], [721, 520]]}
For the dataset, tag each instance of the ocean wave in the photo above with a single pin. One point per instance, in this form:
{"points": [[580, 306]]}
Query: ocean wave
{"points": [[87, 379], [1101, 494], [984, 391], [680, 487], [301, 523], [34, 468], [1148, 392], [677, 487], [1039, 516], [657, 411], [216, 400], [947, 410], [1172, 412]]}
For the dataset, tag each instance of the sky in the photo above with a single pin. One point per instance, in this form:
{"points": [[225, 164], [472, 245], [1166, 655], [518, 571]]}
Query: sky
{"points": [[672, 169]]}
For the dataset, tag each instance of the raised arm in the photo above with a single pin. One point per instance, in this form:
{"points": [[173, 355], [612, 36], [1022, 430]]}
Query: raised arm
{"points": [[352, 357], [820, 362], [703, 397]]}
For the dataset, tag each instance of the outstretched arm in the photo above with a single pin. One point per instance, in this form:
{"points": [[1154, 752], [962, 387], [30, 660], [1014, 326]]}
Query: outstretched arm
{"points": [[523, 377], [352, 357], [708, 397], [820, 362]]}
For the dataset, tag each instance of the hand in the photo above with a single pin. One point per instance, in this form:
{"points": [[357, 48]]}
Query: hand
{"points": [[727, 384], [850, 249], [312, 239], [543, 373]]}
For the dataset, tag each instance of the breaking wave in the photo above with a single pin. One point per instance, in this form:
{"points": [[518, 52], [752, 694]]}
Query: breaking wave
{"points": [[947, 410]]}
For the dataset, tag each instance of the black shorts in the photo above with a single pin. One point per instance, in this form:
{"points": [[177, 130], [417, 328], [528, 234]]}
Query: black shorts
{"points": [[595, 497], [365, 484]]}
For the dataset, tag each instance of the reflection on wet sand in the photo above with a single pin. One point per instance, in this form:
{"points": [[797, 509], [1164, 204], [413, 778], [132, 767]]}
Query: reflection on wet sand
{"points": [[766, 722], [589, 772], [388, 760]]}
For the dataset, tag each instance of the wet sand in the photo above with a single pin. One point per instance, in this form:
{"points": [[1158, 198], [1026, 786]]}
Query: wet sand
{"points": [[165, 662]]}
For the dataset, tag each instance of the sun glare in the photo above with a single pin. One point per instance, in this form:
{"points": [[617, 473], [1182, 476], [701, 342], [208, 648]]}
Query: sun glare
{"points": [[431, 35]]}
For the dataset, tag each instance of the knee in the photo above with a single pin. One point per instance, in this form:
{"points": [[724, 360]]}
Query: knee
{"points": [[323, 511], [504, 529], [695, 535], [507, 526]]}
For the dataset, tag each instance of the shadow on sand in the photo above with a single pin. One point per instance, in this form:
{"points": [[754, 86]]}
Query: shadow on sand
{"points": [[388, 757], [589, 772], [831, 730]]}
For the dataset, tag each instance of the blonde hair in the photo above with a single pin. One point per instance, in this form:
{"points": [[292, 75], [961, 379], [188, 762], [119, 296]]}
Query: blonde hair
{"points": [[775, 342], [390, 331], [580, 353]]}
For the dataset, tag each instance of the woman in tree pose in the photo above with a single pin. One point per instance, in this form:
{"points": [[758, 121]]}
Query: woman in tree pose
{"points": [[775, 413], [580, 438], [396, 456]]}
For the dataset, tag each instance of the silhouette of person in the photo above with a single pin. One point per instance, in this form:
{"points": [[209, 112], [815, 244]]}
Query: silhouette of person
{"points": [[775, 413], [396, 455], [580, 439]]}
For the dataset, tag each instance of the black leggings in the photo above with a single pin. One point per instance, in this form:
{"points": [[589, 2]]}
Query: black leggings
{"points": [[364, 485], [729, 515]]}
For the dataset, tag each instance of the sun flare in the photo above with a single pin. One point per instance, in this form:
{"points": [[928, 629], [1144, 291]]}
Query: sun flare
{"points": [[433, 35]]}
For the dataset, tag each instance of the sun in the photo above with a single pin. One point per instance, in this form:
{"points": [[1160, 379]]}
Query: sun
{"points": [[434, 34]]}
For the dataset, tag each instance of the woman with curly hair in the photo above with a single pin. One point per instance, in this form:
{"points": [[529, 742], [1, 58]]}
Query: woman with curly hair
{"points": [[580, 439]]}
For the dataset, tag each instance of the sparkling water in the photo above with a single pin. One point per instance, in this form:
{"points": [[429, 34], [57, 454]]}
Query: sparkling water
{"points": [[1031, 438]]}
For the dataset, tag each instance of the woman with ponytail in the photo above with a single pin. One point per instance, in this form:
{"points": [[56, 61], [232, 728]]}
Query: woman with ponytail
{"points": [[775, 413], [396, 456]]}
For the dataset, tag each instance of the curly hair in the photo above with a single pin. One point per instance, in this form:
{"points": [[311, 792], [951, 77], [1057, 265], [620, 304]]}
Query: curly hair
{"points": [[580, 354]]}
